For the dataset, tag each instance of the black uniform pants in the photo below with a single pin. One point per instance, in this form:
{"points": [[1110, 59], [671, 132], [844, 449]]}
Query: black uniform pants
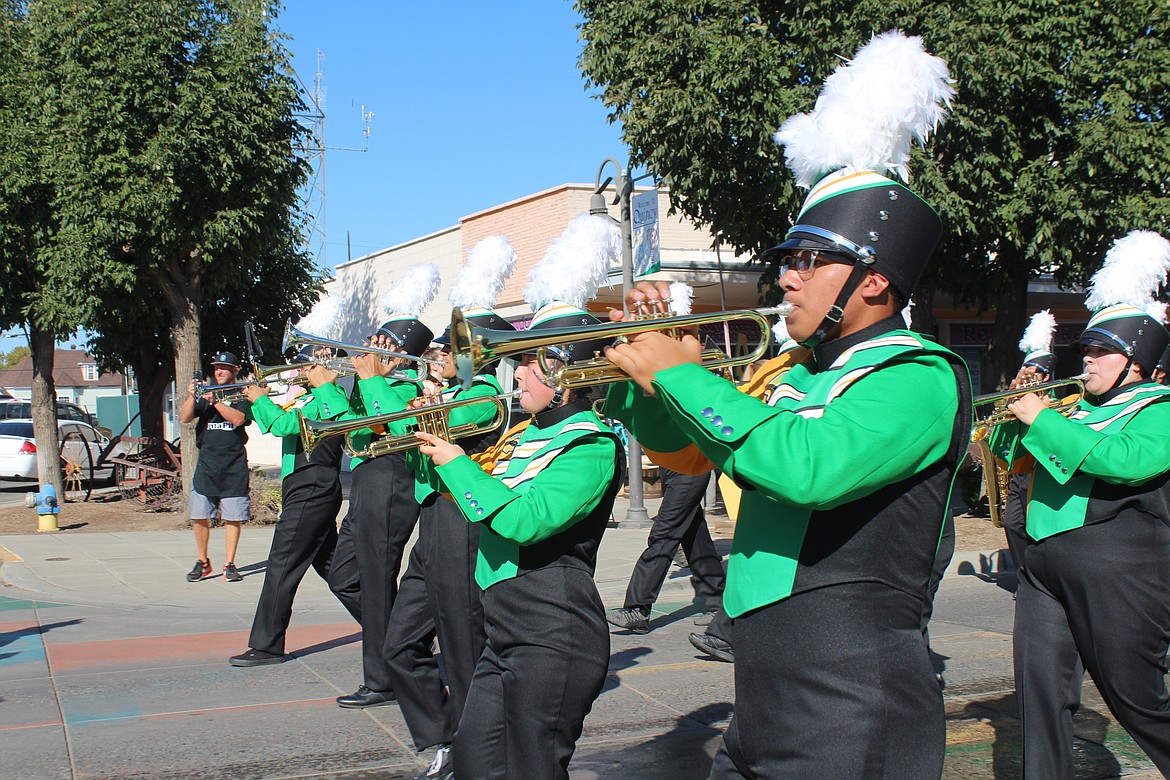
{"points": [[680, 521], [544, 665], [305, 535], [1100, 594], [834, 682], [1013, 517], [382, 515], [438, 596]]}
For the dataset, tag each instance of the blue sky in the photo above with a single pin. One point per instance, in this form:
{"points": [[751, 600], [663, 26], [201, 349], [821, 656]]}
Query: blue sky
{"points": [[475, 104]]}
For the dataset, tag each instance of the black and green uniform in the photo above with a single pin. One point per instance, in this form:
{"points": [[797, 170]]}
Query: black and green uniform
{"points": [[373, 535], [438, 595], [541, 513], [306, 533], [1095, 582], [847, 466]]}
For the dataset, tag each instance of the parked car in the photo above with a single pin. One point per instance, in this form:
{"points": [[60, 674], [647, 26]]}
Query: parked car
{"points": [[18, 448], [22, 410]]}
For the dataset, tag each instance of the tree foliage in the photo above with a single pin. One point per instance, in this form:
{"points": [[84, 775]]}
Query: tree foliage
{"points": [[176, 173], [1058, 143]]}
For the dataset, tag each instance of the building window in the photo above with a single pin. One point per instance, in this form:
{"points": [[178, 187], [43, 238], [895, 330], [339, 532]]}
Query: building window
{"points": [[89, 372]]}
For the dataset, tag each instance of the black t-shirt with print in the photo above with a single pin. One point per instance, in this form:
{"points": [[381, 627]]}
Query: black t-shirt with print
{"points": [[222, 468]]}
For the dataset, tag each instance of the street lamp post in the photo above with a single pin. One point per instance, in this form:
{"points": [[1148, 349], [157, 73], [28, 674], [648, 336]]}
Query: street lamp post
{"points": [[636, 515]]}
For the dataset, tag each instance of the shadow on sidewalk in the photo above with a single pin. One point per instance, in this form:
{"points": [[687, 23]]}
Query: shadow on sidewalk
{"points": [[321, 647], [8, 637]]}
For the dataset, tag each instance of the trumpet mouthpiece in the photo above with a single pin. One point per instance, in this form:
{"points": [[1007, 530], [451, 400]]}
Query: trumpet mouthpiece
{"points": [[781, 310]]}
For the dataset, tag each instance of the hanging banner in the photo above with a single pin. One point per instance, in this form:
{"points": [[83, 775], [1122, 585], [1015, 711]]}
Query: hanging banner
{"points": [[647, 259]]}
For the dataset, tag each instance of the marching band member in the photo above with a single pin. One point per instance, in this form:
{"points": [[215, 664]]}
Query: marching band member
{"points": [[1039, 362], [382, 507], [1095, 582], [438, 595], [541, 513], [306, 532], [848, 462]]}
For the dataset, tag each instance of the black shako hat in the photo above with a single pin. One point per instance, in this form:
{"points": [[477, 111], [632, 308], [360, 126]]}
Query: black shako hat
{"points": [[1135, 333], [477, 317], [225, 359], [563, 315], [408, 334], [866, 216]]}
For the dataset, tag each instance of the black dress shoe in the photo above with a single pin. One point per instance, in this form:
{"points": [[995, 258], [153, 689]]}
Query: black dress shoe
{"points": [[256, 658], [363, 697], [713, 646]]}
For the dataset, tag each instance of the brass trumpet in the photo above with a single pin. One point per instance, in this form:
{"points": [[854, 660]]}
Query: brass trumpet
{"points": [[995, 475], [297, 340], [1000, 413], [432, 419], [473, 348], [225, 394]]}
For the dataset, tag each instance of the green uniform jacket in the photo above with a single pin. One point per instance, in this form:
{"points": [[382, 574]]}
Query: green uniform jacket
{"points": [[426, 479], [1101, 459], [838, 462], [322, 403], [557, 477], [374, 396]]}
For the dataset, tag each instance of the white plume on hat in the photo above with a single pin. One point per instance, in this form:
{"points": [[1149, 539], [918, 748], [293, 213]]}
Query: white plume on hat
{"points": [[327, 317], [489, 264], [908, 314], [414, 291], [869, 111], [1038, 335], [1135, 269], [681, 295], [576, 263]]}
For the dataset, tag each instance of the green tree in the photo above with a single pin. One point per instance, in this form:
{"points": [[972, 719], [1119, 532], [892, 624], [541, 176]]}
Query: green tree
{"points": [[176, 170], [1058, 143], [28, 225], [11, 359]]}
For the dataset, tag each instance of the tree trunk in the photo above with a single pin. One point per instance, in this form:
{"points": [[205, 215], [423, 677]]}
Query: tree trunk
{"points": [[154, 373], [185, 335], [44, 410], [182, 287], [1001, 361]]}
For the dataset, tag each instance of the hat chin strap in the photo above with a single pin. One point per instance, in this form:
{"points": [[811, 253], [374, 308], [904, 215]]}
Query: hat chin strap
{"points": [[837, 311]]}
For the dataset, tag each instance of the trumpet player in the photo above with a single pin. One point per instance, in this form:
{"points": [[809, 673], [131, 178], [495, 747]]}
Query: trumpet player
{"points": [[306, 532], [847, 462], [1095, 581], [220, 482], [382, 506], [541, 514], [438, 596]]}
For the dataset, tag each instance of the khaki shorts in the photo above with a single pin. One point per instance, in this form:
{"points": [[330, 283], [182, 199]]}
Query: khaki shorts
{"points": [[236, 509]]}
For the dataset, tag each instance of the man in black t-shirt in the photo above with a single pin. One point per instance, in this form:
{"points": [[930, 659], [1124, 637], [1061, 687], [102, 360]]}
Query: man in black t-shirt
{"points": [[221, 473]]}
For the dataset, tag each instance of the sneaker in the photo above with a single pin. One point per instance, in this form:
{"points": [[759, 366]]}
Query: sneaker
{"points": [[231, 573], [633, 619], [440, 768], [200, 570], [713, 646], [256, 658]]}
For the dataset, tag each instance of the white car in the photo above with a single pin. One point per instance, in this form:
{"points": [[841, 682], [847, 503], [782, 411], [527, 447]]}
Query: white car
{"points": [[18, 449]]}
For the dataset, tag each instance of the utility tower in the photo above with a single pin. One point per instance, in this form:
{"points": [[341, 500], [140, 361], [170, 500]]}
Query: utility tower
{"points": [[313, 200]]}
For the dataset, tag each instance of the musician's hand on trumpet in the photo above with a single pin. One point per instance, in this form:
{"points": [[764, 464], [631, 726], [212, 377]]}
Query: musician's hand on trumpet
{"points": [[368, 365], [253, 392], [440, 451], [644, 298], [1027, 406]]}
